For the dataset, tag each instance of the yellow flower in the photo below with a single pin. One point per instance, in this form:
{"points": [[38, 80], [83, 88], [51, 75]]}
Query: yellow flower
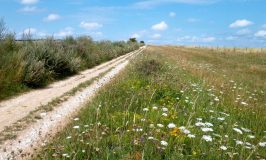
{"points": [[175, 132]]}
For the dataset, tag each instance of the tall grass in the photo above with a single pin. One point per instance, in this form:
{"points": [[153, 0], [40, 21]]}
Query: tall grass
{"points": [[160, 109], [30, 64]]}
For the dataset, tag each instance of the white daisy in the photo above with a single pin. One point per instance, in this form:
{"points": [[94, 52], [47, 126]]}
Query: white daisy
{"points": [[207, 138], [223, 148], [171, 125], [164, 143], [207, 129], [145, 109], [238, 130]]}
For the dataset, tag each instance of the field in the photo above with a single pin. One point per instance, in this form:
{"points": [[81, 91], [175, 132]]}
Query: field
{"points": [[174, 102]]}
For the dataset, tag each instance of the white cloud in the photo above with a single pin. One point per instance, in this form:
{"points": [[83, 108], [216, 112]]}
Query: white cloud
{"points": [[29, 9], [240, 23], [68, 31], [135, 35], [29, 31], [160, 26], [243, 32], [33, 32], [153, 3], [156, 36], [29, 2], [52, 17], [261, 34], [196, 39], [90, 25], [172, 14]]}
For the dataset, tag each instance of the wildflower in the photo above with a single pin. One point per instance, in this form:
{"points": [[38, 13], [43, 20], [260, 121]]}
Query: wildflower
{"points": [[262, 144], [238, 130], [208, 124], [226, 136], [223, 148], [244, 103], [221, 118], [83, 151], [154, 108], [211, 111], [165, 109], [216, 99], [199, 119], [251, 136], [151, 125], [171, 125], [199, 124], [68, 137], [145, 109], [175, 132], [207, 129], [150, 138], [65, 155], [86, 126], [76, 127], [143, 120], [207, 138], [164, 143], [239, 142], [76, 119], [160, 125], [184, 130], [246, 130], [164, 114], [191, 136]]}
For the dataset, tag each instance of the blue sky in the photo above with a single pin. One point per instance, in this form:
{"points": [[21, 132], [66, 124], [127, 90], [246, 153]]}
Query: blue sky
{"points": [[240, 23]]}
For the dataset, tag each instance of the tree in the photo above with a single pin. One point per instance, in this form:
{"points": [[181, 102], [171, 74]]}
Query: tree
{"points": [[134, 40]]}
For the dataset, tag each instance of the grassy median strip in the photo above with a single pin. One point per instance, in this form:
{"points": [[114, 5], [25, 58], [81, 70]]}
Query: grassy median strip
{"points": [[159, 109], [12, 131]]}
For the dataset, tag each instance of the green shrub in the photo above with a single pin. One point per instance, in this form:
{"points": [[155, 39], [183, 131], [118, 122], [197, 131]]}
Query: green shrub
{"points": [[35, 74]]}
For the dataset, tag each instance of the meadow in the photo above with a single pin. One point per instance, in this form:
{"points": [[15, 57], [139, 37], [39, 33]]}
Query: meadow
{"points": [[174, 102], [32, 63]]}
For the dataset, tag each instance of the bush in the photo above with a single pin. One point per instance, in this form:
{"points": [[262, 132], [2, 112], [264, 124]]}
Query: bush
{"points": [[36, 63], [149, 67], [35, 74]]}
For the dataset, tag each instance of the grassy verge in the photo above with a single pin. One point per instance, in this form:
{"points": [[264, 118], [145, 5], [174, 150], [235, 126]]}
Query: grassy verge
{"points": [[160, 109], [12, 131]]}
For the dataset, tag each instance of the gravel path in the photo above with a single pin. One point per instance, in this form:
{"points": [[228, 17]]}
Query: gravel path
{"points": [[39, 133], [19, 107]]}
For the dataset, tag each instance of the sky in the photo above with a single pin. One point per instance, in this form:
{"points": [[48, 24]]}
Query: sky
{"points": [[224, 23]]}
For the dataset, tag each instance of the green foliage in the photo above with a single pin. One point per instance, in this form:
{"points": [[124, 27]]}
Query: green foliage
{"points": [[131, 117], [36, 63]]}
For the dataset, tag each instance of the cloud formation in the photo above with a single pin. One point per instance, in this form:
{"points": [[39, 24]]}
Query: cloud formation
{"points": [[153, 3], [240, 23], [90, 25], [261, 34], [29, 2], [194, 39], [52, 17], [160, 26]]}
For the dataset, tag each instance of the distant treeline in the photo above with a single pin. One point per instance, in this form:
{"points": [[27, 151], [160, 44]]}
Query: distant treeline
{"points": [[31, 63]]}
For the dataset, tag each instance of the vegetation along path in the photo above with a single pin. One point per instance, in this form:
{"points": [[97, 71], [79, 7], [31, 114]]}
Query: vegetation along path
{"points": [[19, 107]]}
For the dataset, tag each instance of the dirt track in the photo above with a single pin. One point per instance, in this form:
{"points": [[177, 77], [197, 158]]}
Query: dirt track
{"points": [[39, 132]]}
